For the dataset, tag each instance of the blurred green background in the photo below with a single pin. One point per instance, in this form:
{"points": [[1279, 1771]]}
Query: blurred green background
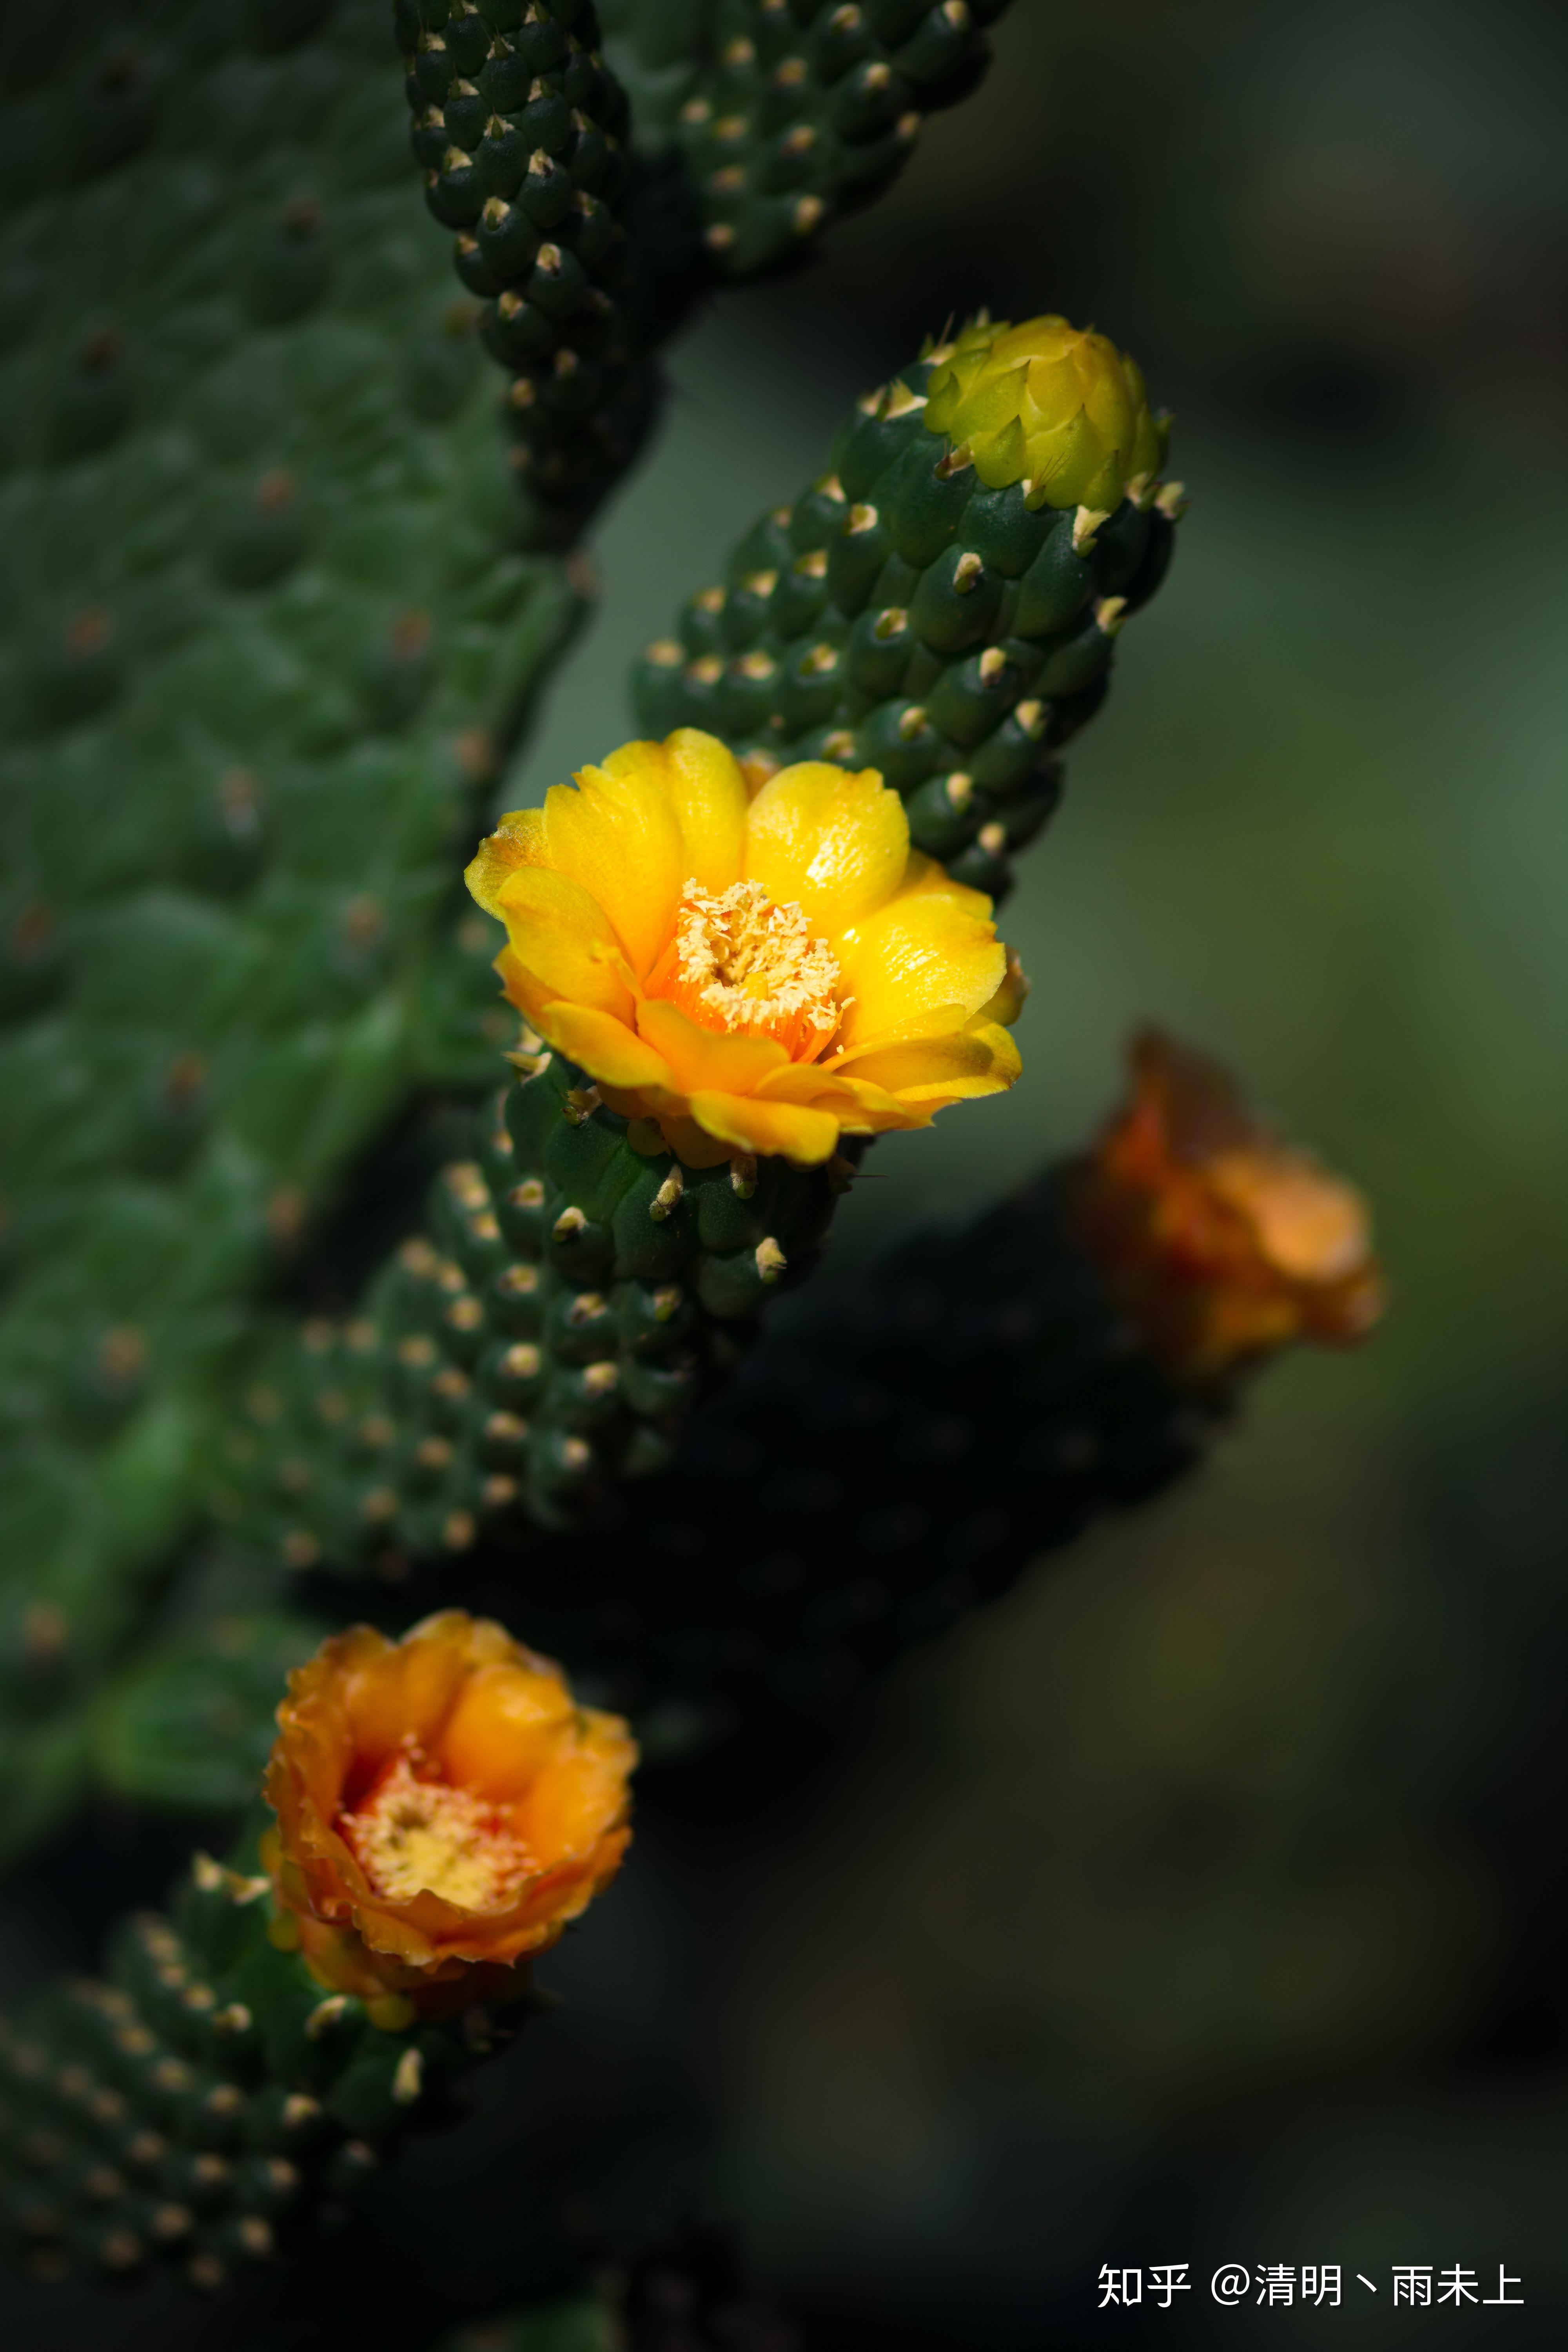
{"points": [[1202, 1902]]}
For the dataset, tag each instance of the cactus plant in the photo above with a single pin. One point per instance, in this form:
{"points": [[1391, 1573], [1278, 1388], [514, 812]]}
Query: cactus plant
{"points": [[287, 559]]}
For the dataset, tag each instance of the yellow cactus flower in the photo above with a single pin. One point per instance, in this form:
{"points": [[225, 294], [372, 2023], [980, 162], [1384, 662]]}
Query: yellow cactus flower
{"points": [[444, 1808], [1222, 1243], [1053, 406], [758, 972]]}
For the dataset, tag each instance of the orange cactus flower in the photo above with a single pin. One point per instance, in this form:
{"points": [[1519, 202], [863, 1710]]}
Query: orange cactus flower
{"points": [[754, 971], [444, 1808], [1222, 1242]]}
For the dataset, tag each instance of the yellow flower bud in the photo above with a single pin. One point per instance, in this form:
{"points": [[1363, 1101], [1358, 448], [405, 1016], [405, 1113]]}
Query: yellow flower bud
{"points": [[1053, 406]]}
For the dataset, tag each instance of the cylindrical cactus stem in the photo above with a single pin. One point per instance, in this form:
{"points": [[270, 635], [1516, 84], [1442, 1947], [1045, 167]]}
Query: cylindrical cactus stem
{"points": [[519, 126], [942, 603], [905, 1452], [579, 1288], [787, 118], [260, 2050], [208, 2098]]}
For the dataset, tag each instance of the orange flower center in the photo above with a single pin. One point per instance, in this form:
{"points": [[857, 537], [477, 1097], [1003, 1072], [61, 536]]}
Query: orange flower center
{"points": [[739, 962], [414, 1836]]}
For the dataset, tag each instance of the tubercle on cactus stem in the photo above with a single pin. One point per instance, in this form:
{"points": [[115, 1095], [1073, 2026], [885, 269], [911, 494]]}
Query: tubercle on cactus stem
{"points": [[904, 613]]}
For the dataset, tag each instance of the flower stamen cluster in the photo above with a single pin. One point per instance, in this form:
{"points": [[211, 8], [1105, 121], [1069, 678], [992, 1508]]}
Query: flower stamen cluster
{"points": [[413, 1831], [741, 964]]}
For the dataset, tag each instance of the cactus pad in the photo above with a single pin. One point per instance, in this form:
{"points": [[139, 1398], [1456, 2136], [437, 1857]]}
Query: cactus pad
{"points": [[269, 618]]}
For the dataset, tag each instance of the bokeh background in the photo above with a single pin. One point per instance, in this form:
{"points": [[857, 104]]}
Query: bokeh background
{"points": [[1205, 1901]]}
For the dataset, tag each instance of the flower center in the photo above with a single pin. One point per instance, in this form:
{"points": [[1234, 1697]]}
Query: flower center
{"points": [[740, 962], [418, 1837]]}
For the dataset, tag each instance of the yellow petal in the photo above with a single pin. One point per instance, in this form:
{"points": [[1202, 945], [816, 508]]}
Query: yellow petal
{"points": [[709, 795], [807, 1137], [924, 874], [981, 1059], [862, 1108], [926, 950], [528, 995], [561, 937], [618, 836], [934, 1021], [516, 841], [706, 1058], [602, 1046], [834, 843]]}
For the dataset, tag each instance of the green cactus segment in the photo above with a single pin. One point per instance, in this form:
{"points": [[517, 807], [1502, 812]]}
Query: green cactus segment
{"points": [[266, 624], [884, 1463], [902, 615], [209, 2101], [577, 1296], [519, 126], [787, 116], [190, 1726]]}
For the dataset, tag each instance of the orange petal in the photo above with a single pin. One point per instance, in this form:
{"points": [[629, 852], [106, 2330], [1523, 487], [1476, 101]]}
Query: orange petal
{"points": [[602, 1046], [708, 1058], [836, 843], [618, 836], [404, 1695], [583, 1792], [563, 941], [752, 1124], [507, 1720]]}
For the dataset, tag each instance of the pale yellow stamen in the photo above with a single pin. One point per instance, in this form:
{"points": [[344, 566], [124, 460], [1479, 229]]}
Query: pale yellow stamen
{"points": [[424, 1836], [743, 963]]}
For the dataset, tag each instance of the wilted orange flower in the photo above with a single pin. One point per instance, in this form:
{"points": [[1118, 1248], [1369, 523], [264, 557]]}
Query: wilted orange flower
{"points": [[1222, 1242], [444, 1808]]}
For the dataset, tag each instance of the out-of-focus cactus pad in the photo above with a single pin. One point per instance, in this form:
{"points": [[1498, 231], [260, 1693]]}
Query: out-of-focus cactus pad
{"points": [[267, 619]]}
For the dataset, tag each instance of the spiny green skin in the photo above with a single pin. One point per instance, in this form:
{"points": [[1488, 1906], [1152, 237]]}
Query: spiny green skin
{"points": [[882, 1464], [265, 622], [209, 2101], [790, 114], [809, 110], [904, 617], [579, 1299], [519, 128], [189, 1727]]}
